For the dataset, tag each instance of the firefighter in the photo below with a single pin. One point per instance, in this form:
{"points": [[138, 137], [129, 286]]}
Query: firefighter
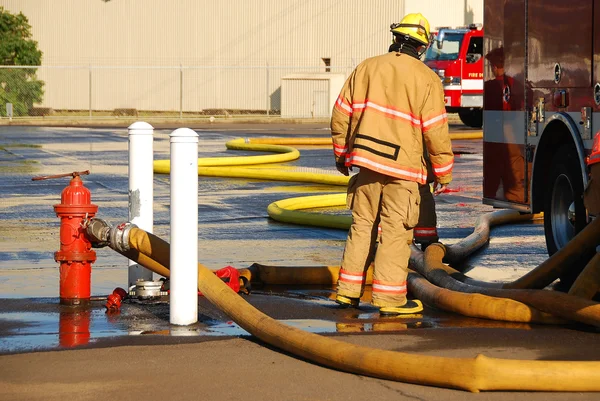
{"points": [[425, 232], [389, 106]]}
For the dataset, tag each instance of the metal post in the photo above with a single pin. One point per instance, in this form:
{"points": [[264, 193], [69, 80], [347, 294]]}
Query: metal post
{"points": [[90, 89], [141, 188], [180, 91], [184, 227], [9, 111], [267, 90]]}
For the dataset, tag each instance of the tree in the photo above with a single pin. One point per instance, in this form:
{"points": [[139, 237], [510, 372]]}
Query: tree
{"points": [[18, 86]]}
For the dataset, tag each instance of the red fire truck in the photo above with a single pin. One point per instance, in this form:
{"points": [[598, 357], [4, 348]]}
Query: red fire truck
{"points": [[456, 55], [541, 109]]}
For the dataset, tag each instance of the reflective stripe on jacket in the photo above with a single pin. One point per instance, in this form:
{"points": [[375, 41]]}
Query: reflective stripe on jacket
{"points": [[388, 105]]}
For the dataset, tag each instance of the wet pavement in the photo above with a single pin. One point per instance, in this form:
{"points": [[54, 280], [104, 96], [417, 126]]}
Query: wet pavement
{"points": [[234, 229]]}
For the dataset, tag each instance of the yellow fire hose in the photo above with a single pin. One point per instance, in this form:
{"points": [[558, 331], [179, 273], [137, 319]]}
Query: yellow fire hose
{"points": [[493, 307], [327, 141], [489, 307], [551, 269], [209, 166], [587, 283], [283, 154], [477, 305], [294, 275], [286, 211], [289, 211], [480, 235], [556, 303], [545, 273], [273, 175], [480, 373], [477, 374], [229, 166]]}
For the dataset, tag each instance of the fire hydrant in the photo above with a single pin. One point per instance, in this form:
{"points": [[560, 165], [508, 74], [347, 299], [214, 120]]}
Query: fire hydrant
{"points": [[75, 255]]}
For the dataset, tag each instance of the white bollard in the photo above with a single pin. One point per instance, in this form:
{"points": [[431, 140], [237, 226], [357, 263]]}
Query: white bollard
{"points": [[184, 227], [141, 188]]}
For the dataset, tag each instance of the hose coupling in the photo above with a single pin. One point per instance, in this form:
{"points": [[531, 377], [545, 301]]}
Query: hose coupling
{"points": [[102, 234], [118, 237], [98, 232]]}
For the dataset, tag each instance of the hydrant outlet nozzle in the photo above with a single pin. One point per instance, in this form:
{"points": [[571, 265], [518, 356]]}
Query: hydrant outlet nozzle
{"points": [[98, 230]]}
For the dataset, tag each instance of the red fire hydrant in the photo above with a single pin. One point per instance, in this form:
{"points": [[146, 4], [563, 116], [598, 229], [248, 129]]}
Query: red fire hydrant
{"points": [[76, 255]]}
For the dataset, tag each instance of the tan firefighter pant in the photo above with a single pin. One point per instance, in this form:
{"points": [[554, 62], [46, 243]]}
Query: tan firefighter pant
{"points": [[425, 231], [394, 204]]}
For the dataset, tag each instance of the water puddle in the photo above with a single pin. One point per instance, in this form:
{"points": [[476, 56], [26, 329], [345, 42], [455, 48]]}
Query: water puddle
{"points": [[35, 331], [40, 331]]}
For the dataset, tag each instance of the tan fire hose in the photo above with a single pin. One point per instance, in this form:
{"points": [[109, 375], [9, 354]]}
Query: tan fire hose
{"points": [[587, 283], [480, 373], [515, 310], [476, 305], [585, 241], [480, 235], [543, 275], [472, 305], [556, 303]]}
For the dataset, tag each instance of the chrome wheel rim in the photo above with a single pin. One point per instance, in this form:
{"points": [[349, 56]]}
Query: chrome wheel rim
{"points": [[562, 211]]}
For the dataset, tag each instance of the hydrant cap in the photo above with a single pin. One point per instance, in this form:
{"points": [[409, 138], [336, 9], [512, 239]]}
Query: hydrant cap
{"points": [[75, 193], [76, 198]]}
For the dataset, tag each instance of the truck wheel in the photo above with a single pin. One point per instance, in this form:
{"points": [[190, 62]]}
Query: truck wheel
{"points": [[471, 117], [564, 213]]}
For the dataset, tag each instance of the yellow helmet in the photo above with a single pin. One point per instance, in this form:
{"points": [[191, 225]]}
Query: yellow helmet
{"points": [[413, 26]]}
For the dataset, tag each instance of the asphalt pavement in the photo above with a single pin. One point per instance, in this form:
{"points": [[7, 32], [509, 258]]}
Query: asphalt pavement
{"points": [[136, 354]]}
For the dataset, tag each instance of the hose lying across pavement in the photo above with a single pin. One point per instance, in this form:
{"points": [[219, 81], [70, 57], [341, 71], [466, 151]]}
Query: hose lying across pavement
{"points": [[480, 373], [557, 303], [222, 166]]}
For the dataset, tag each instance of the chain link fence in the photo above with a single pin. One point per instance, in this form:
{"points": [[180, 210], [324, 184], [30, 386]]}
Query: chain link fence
{"points": [[168, 92]]}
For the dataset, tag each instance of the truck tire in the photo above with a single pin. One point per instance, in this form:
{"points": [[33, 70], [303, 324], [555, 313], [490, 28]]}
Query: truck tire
{"points": [[564, 212], [471, 117]]}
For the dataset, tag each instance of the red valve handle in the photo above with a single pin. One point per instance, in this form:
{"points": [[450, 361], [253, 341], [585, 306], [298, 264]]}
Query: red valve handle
{"points": [[73, 174]]}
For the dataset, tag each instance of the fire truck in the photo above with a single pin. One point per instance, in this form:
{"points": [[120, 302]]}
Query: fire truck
{"points": [[541, 109], [456, 55]]}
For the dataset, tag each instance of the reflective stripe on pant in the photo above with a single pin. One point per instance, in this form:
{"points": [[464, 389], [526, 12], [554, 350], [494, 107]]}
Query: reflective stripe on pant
{"points": [[426, 229], [394, 204]]}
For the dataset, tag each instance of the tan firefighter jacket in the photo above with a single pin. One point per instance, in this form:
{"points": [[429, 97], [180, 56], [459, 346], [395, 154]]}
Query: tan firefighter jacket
{"points": [[388, 105]]}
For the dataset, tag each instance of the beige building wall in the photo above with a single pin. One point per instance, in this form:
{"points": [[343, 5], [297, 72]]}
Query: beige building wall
{"points": [[451, 13], [163, 55]]}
